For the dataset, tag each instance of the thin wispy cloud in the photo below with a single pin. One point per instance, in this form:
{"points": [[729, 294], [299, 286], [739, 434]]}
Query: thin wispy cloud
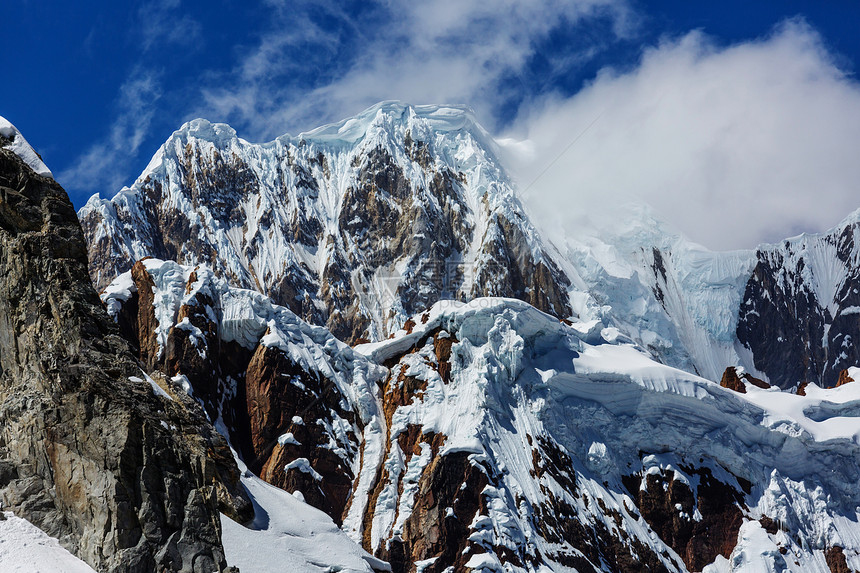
{"points": [[106, 165], [161, 22]]}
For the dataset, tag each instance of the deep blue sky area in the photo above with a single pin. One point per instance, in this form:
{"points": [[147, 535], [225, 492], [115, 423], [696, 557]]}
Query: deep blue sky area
{"points": [[97, 86]]}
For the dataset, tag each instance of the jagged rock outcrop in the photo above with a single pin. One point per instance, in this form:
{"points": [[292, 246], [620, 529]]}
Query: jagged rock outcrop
{"points": [[800, 314], [126, 477], [289, 395], [356, 226], [844, 378], [698, 525], [734, 381]]}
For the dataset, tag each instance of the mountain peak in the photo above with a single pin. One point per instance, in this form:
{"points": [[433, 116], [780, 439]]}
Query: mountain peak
{"points": [[204, 129], [440, 118]]}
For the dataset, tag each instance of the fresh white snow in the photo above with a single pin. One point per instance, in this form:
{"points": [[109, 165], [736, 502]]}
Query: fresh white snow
{"points": [[289, 535], [24, 548]]}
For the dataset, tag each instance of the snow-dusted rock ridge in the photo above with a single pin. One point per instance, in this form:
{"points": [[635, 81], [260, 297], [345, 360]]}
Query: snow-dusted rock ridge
{"points": [[11, 139], [497, 438], [788, 312], [356, 225]]}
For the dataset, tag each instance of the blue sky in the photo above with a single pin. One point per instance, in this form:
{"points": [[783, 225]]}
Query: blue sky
{"points": [[97, 86]]}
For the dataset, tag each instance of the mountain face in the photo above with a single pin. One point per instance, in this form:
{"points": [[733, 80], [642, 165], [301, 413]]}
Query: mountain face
{"points": [[489, 436], [464, 433], [786, 312], [800, 315], [92, 450], [356, 226]]}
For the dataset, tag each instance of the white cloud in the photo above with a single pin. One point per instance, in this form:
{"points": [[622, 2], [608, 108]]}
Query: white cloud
{"points": [[434, 51], [732, 145], [106, 165], [159, 21]]}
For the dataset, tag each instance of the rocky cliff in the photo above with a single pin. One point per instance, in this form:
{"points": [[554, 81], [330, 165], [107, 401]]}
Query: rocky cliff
{"points": [[93, 451], [294, 401]]}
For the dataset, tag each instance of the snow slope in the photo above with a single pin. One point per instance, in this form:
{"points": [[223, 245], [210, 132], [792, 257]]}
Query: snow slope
{"points": [[518, 373], [289, 535], [24, 548]]}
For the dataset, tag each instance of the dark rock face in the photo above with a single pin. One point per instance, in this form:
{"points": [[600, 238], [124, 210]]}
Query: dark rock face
{"points": [[126, 479], [800, 321], [261, 394], [670, 506]]}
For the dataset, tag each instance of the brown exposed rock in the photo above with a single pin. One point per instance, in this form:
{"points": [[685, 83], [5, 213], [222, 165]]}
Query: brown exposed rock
{"points": [[449, 481], [836, 561], [769, 524], [277, 390], [731, 381], [442, 348], [844, 378], [697, 542], [146, 321], [801, 389], [194, 356]]}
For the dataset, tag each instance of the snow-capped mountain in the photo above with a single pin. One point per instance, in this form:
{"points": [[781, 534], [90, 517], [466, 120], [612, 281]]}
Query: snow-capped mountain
{"points": [[489, 436], [356, 225], [787, 312], [576, 425]]}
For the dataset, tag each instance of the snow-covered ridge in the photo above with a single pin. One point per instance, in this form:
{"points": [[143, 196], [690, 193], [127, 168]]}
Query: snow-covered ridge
{"points": [[702, 311], [517, 372], [248, 318], [16, 143]]}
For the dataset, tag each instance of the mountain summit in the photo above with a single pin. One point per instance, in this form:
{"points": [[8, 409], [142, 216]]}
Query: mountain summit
{"points": [[356, 226]]}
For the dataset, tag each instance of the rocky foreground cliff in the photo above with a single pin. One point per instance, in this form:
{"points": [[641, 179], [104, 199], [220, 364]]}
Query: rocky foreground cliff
{"points": [[128, 476]]}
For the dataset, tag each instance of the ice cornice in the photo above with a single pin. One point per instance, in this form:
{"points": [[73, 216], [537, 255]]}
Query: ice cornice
{"points": [[218, 133], [351, 130], [440, 118]]}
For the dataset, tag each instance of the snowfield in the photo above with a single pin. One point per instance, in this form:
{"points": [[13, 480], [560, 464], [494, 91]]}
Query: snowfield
{"points": [[24, 548], [289, 535]]}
